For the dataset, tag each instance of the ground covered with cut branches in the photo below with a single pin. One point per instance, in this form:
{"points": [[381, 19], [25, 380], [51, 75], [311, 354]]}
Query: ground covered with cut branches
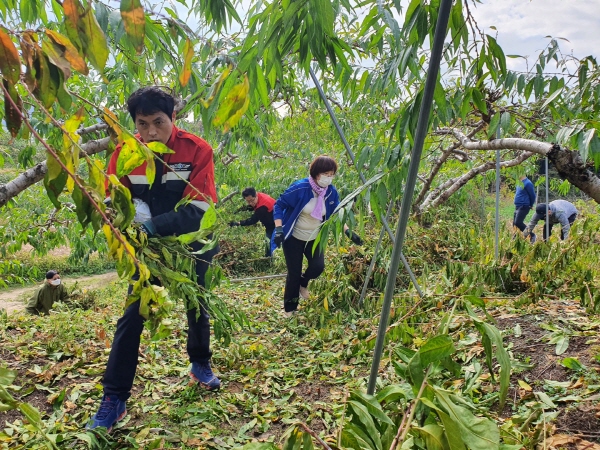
{"points": [[277, 372]]}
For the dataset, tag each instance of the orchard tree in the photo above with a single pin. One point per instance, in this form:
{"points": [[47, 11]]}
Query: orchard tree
{"points": [[68, 67]]}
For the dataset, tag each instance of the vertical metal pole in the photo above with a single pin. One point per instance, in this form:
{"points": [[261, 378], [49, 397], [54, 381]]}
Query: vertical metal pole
{"points": [[497, 224], [363, 293], [360, 174], [547, 224], [413, 171]]}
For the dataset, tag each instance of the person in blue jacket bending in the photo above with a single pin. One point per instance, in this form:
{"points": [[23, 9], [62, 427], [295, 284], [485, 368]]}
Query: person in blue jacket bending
{"points": [[524, 201], [298, 215]]}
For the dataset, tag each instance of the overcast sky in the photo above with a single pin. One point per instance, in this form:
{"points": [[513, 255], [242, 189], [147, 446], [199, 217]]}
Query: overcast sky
{"points": [[522, 26]]}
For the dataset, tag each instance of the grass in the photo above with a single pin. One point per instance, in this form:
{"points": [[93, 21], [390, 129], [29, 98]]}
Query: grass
{"points": [[277, 372]]}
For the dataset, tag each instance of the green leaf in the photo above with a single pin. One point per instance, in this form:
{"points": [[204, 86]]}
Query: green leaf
{"points": [[366, 422], [573, 364], [7, 376], [562, 344], [543, 397], [493, 125], [453, 432], [373, 407], [490, 334], [476, 432], [505, 122], [551, 98], [436, 349], [433, 435], [32, 414], [479, 101]]}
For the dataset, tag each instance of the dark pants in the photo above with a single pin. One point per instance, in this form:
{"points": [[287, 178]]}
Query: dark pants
{"points": [[519, 217], [571, 219], [294, 251], [123, 359]]}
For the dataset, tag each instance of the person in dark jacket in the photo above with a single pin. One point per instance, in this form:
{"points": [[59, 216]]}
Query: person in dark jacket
{"points": [[262, 205], [51, 291], [560, 211], [152, 111], [298, 215], [524, 201]]}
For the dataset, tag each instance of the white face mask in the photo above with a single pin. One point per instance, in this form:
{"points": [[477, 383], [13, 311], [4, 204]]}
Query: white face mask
{"points": [[55, 282], [324, 180]]}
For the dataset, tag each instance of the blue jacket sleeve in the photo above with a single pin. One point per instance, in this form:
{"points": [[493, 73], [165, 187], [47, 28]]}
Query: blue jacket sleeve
{"points": [[530, 193], [285, 201]]}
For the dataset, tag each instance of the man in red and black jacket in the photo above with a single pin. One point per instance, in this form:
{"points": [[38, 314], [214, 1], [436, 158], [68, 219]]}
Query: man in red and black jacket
{"points": [[152, 111], [262, 205]]}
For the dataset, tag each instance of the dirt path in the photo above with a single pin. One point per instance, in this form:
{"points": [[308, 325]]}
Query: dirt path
{"points": [[13, 299]]}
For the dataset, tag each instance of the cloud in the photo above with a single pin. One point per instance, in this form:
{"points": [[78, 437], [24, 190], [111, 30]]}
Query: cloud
{"points": [[522, 26]]}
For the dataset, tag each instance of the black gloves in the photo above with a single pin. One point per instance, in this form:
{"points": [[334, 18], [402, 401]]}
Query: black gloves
{"points": [[278, 239], [148, 228], [234, 224], [354, 237]]}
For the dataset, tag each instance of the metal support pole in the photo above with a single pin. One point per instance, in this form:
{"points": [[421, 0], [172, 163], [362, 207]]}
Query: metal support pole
{"points": [[547, 224], [497, 224], [360, 174], [363, 293], [411, 180]]}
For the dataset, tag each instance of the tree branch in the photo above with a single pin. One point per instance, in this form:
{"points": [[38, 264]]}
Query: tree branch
{"points": [[445, 190], [569, 164], [440, 162], [37, 172]]}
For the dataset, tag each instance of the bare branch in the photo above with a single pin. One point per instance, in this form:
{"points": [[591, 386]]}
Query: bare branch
{"points": [[453, 149], [227, 198], [445, 190], [541, 148]]}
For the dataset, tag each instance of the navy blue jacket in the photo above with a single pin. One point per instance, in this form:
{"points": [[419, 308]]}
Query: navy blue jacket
{"points": [[289, 205], [525, 195]]}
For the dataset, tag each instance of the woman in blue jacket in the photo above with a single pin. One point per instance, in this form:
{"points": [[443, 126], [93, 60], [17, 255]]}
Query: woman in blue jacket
{"points": [[298, 215]]}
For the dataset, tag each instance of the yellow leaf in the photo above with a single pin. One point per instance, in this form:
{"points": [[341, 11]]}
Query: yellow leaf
{"points": [[68, 51], [134, 22], [524, 385], [186, 71], [325, 304], [214, 89], [234, 106], [10, 64]]}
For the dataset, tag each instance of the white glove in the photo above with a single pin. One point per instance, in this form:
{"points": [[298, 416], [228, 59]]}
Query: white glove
{"points": [[142, 211]]}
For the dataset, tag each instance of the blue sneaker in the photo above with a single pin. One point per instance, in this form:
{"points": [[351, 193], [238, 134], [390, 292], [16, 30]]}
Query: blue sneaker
{"points": [[203, 374], [111, 410]]}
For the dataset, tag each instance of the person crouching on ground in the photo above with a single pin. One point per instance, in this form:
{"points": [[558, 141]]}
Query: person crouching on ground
{"points": [[262, 205], [51, 291], [298, 215], [560, 211], [152, 111], [524, 201]]}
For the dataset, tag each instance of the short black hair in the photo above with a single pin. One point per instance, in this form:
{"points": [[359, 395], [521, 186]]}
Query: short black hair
{"points": [[50, 274], [249, 192], [150, 100], [322, 164]]}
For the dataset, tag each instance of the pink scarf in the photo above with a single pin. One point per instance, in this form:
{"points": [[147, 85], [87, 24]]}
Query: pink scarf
{"points": [[320, 191]]}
